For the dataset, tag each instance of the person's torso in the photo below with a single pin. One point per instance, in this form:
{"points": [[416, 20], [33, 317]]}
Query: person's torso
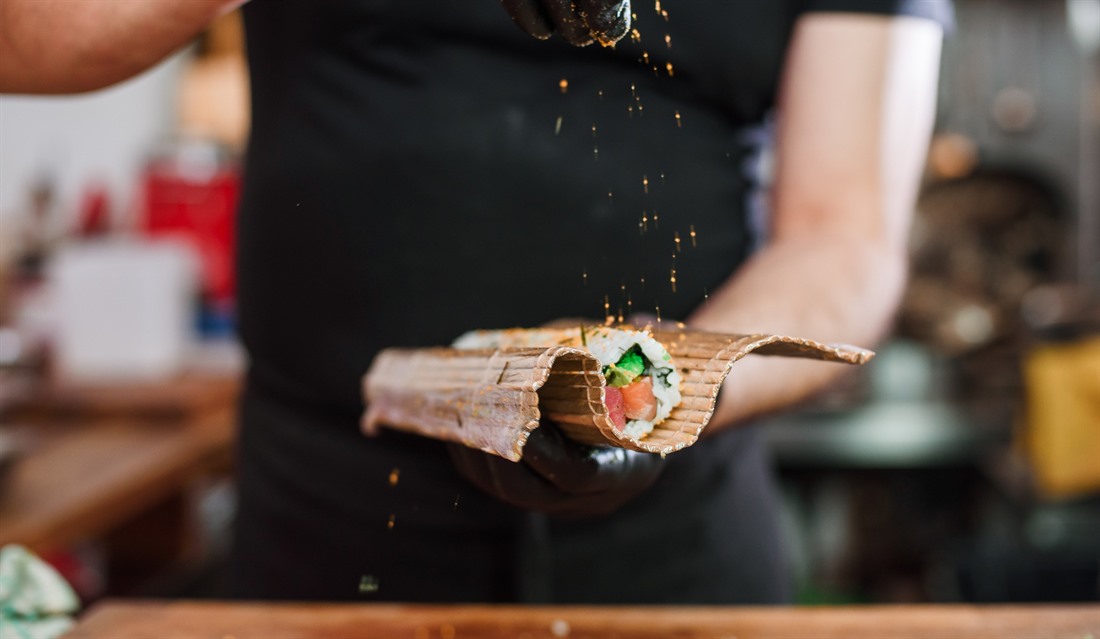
{"points": [[419, 169]]}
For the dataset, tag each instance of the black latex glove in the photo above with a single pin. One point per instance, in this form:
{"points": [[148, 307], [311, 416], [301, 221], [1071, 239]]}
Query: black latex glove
{"points": [[580, 22], [560, 477]]}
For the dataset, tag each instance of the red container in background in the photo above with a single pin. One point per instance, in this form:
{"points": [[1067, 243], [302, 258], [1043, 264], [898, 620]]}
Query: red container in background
{"points": [[190, 191]]}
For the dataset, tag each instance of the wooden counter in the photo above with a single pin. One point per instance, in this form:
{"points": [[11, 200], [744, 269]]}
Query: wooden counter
{"points": [[99, 456], [83, 479], [110, 478], [123, 619]]}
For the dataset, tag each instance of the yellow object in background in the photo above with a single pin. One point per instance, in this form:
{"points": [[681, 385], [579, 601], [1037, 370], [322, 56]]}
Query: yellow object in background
{"points": [[1063, 416]]}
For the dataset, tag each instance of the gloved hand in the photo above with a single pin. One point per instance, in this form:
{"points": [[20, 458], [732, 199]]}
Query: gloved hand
{"points": [[559, 476], [578, 21]]}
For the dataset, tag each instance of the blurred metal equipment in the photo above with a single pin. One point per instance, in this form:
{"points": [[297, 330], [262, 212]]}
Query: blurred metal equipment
{"points": [[1083, 17], [980, 244]]}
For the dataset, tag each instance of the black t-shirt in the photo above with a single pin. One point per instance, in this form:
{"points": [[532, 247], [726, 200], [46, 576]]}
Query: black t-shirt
{"points": [[418, 169]]}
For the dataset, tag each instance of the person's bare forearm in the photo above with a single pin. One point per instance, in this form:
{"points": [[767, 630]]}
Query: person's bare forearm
{"points": [[856, 107], [839, 289], [64, 46]]}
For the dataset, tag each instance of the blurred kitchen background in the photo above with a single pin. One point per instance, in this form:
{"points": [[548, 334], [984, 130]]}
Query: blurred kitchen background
{"points": [[962, 465]]}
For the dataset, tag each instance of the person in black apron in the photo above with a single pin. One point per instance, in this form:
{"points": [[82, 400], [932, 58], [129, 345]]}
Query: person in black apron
{"points": [[420, 169]]}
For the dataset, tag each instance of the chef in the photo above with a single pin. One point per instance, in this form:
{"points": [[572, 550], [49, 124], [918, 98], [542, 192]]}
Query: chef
{"points": [[420, 168]]}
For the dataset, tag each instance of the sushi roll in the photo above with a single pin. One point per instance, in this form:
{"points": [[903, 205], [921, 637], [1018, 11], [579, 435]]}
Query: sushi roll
{"points": [[641, 384]]}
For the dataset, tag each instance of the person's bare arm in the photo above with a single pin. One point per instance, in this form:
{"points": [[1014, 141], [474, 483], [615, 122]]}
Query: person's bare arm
{"points": [[66, 46], [856, 108]]}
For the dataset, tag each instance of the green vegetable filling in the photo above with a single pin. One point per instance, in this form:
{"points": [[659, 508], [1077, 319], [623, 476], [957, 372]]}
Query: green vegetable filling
{"points": [[629, 366]]}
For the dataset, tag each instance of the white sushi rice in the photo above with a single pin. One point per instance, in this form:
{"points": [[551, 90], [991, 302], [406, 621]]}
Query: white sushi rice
{"points": [[608, 345]]}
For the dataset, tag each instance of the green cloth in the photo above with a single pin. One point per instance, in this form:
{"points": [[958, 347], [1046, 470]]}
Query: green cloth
{"points": [[35, 601]]}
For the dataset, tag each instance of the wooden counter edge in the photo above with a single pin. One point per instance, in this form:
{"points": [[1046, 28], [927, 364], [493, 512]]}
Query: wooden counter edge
{"points": [[122, 618]]}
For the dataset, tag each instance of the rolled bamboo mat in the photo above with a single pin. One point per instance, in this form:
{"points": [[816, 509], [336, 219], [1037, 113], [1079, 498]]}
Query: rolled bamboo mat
{"points": [[491, 399]]}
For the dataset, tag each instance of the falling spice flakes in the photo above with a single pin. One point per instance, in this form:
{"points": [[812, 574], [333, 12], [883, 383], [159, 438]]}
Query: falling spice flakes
{"points": [[368, 584], [668, 67], [679, 123], [643, 224], [660, 11], [668, 41], [584, 277], [557, 126], [691, 232], [606, 306], [655, 225], [672, 279], [391, 522], [645, 57], [395, 475], [645, 184], [676, 239], [564, 85]]}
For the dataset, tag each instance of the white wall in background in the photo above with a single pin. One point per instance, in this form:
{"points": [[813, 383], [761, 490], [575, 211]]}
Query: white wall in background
{"points": [[102, 136]]}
